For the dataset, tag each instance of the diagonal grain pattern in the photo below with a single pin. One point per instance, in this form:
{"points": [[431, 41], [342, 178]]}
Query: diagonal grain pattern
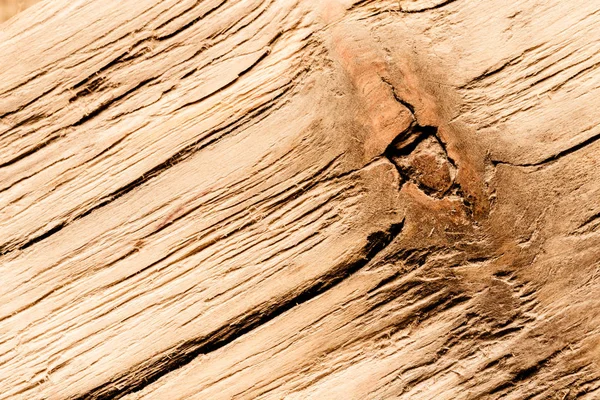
{"points": [[297, 199]]}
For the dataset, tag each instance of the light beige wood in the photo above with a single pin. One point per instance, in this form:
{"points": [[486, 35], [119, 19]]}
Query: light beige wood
{"points": [[300, 199], [10, 8]]}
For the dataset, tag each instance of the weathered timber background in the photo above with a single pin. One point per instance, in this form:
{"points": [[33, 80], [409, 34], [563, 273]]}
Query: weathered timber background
{"points": [[300, 199], [10, 8]]}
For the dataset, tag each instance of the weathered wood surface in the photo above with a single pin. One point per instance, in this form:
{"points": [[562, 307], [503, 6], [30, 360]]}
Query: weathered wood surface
{"points": [[300, 199], [10, 8]]}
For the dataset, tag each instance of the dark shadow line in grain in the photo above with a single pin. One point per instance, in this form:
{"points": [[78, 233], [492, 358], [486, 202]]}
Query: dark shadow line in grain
{"points": [[152, 370], [180, 156], [553, 157], [191, 23], [434, 7]]}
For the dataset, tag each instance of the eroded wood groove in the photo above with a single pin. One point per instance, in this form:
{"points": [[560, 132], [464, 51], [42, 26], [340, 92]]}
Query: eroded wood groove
{"points": [[186, 352]]}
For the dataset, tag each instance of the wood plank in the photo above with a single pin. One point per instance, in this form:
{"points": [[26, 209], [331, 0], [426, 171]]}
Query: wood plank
{"points": [[300, 199]]}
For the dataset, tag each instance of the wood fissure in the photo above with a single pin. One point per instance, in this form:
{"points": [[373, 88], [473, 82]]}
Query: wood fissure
{"points": [[118, 387]]}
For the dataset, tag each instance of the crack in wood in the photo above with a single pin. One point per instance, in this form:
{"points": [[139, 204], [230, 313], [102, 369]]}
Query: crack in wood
{"points": [[154, 369]]}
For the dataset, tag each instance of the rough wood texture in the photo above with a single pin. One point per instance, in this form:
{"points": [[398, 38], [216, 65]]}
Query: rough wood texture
{"points": [[300, 199]]}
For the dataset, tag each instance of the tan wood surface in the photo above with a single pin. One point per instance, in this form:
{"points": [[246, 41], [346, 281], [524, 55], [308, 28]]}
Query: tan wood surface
{"points": [[10, 8], [303, 199]]}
